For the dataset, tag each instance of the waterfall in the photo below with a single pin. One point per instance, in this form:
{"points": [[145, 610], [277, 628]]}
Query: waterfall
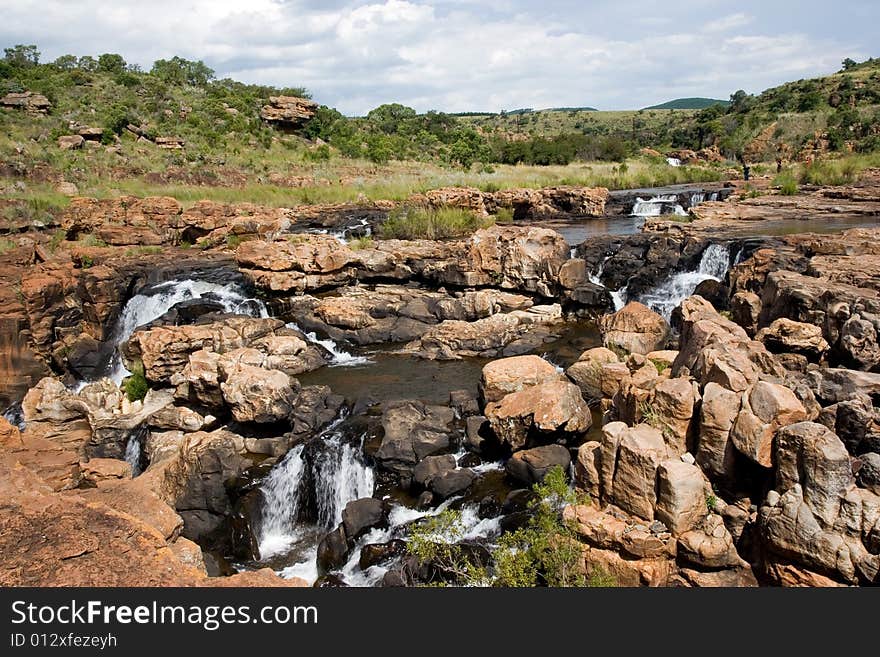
{"points": [[618, 297], [15, 416], [133, 454], [341, 476], [702, 197], [148, 306], [281, 496], [654, 206], [338, 356], [673, 161], [664, 298]]}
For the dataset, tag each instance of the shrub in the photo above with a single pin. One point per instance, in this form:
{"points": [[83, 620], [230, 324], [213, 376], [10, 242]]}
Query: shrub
{"points": [[431, 223], [504, 216], [232, 241], [136, 385], [360, 243], [787, 184], [6, 245]]}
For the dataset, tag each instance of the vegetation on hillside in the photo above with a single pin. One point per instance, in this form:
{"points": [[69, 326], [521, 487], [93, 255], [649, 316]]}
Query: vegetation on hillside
{"points": [[689, 103]]}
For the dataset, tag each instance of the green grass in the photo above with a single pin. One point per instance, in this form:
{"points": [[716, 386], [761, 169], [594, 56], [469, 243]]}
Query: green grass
{"points": [[143, 250], [136, 385], [6, 245], [787, 184], [431, 224], [360, 243]]}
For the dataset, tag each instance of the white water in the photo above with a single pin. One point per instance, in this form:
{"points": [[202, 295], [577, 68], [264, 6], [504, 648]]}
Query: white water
{"points": [[281, 496], [653, 207], [341, 476], [673, 161], [133, 454], [664, 298], [14, 416], [339, 357], [144, 308], [618, 297]]}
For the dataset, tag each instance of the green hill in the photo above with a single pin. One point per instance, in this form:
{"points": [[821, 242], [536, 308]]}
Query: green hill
{"points": [[689, 103]]}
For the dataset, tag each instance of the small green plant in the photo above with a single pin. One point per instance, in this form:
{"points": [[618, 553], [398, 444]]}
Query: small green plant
{"points": [[661, 365], [136, 385], [86, 261], [92, 240], [788, 186], [361, 243], [6, 245], [598, 577], [233, 241], [711, 502], [57, 238], [185, 244], [143, 250]]}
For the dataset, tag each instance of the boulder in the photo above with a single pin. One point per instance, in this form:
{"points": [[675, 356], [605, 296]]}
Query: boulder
{"points": [[431, 467], [709, 546], [681, 496], [635, 328], [288, 111], [541, 411], [639, 454], [530, 466], [333, 550], [766, 408], [359, 516], [745, 309], [413, 431], [587, 371], [715, 450], [587, 468], [452, 482], [98, 470], [673, 406], [258, 395], [507, 375], [869, 473], [70, 142], [785, 335]]}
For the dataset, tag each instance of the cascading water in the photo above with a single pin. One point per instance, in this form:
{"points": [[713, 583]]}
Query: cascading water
{"points": [[281, 496], [133, 454], [149, 305], [673, 161], [654, 206], [339, 357], [618, 297], [702, 197], [15, 416], [340, 477], [664, 298]]}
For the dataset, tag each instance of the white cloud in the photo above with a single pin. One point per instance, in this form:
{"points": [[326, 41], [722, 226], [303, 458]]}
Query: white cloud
{"points": [[448, 55]]}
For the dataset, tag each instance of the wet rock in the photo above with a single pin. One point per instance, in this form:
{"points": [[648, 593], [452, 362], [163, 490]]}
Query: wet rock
{"points": [[507, 375], [452, 482], [413, 431], [475, 431], [375, 554], [431, 467], [359, 516], [333, 550], [469, 460], [542, 410], [634, 329], [531, 465]]}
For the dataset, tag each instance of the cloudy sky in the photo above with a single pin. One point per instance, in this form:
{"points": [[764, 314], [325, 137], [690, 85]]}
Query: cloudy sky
{"points": [[453, 55]]}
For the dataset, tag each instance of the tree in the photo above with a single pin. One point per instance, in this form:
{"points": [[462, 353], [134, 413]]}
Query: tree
{"points": [[88, 63], [389, 117], [65, 63], [322, 123], [848, 64], [178, 70], [111, 63], [22, 56]]}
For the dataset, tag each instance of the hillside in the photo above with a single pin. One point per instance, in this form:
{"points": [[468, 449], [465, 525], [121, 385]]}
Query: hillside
{"points": [[689, 103]]}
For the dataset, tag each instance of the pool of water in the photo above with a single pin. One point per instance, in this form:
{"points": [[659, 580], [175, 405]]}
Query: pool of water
{"points": [[576, 231]]}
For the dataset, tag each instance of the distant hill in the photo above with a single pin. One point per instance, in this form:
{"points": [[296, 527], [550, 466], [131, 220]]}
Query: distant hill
{"points": [[571, 109], [689, 103]]}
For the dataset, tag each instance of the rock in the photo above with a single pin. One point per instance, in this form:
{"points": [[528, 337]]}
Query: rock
{"points": [[288, 111], [374, 554], [587, 466], [413, 431], [333, 550], [258, 395], [715, 450], [98, 470], [543, 410], [634, 329], [851, 420], [766, 408], [359, 516], [709, 546], [833, 385], [639, 454], [67, 188], [785, 335], [474, 431], [728, 578], [869, 473], [530, 466], [70, 142], [745, 309], [431, 467], [681, 496], [587, 371], [790, 575], [673, 405], [29, 101], [507, 375], [809, 455], [452, 482]]}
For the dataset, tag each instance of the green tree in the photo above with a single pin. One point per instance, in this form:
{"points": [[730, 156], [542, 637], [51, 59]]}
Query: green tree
{"points": [[848, 64], [111, 63], [389, 117], [88, 63], [22, 56], [65, 63], [322, 123], [180, 71]]}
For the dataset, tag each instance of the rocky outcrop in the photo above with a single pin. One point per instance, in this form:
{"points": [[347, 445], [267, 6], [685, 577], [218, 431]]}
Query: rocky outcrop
{"points": [[635, 329], [525, 204], [28, 101], [288, 111]]}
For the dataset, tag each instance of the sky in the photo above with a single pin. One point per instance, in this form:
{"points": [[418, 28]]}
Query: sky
{"points": [[455, 56]]}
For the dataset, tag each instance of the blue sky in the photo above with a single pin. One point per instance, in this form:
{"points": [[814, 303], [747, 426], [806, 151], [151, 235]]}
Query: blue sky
{"points": [[455, 56]]}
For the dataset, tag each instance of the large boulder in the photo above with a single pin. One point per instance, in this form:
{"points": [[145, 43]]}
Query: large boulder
{"points": [[530, 466], [639, 454], [681, 496], [765, 408], [715, 450], [507, 375], [412, 431], [359, 516], [785, 335], [259, 395], [673, 407], [553, 409], [587, 371], [635, 328]]}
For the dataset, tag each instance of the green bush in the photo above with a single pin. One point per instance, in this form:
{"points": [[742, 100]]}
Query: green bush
{"points": [[136, 385], [787, 184], [6, 245], [431, 223]]}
